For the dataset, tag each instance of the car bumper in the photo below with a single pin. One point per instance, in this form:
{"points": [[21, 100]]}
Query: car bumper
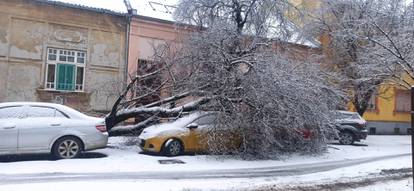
{"points": [[96, 142], [149, 145], [362, 134]]}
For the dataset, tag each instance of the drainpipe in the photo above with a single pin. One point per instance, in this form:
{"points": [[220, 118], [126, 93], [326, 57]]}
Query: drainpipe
{"points": [[128, 18]]}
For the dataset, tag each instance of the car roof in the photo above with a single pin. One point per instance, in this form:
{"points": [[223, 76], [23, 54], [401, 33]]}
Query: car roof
{"points": [[346, 112], [67, 110], [6, 104]]}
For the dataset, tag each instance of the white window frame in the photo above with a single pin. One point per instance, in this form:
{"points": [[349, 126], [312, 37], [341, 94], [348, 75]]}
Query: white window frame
{"points": [[61, 52], [372, 103], [399, 92]]}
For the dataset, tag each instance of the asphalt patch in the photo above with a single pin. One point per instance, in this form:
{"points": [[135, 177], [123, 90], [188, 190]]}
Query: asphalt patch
{"points": [[171, 161], [45, 157]]}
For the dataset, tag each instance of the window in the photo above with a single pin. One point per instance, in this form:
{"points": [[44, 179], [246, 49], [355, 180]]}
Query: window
{"points": [[402, 101], [372, 131], [11, 112], [372, 104], [397, 131], [150, 85], [65, 70], [37, 111], [206, 120]]}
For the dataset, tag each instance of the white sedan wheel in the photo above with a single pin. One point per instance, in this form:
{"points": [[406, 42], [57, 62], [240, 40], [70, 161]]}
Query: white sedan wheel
{"points": [[67, 148]]}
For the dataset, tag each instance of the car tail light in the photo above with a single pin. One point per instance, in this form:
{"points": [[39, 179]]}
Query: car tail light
{"points": [[307, 134], [101, 128]]}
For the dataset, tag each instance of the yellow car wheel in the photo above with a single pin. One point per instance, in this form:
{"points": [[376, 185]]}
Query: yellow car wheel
{"points": [[173, 147]]}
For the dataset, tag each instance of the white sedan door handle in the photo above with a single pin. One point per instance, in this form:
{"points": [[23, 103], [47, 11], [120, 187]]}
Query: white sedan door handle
{"points": [[9, 126], [55, 124]]}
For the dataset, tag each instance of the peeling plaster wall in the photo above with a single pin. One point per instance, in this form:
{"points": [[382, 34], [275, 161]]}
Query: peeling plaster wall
{"points": [[29, 28], [72, 37], [3, 80], [4, 21], [22, 82], [107, 89], [104, 51], [27, 37]]}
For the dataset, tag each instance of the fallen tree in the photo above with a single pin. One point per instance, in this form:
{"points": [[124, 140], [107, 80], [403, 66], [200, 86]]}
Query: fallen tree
{"points": [[262, 93]]}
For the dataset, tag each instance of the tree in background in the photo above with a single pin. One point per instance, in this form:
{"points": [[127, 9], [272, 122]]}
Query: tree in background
{"points": [[370, 43]]}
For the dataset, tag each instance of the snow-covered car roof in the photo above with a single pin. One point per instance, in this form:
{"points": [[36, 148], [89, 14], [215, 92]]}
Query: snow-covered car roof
{"points": [[67, 110], [352, 117], [7, 104], [346, 112], [175, 126]]}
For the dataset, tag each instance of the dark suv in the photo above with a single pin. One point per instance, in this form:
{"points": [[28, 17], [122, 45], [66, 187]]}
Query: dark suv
{"points": [[351, 126]]}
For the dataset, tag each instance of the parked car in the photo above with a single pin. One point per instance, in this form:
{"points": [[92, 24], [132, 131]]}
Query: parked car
{"points": [[33, 127], [187, 134], [351, 126]]}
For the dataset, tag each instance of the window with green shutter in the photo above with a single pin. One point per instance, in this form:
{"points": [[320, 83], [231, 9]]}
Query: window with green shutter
{"points": [[65, 70], [65, 77]]}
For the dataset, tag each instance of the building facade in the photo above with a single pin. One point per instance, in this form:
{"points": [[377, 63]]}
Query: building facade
{"points": [[390, 111], [153, 25], [62, 53]]}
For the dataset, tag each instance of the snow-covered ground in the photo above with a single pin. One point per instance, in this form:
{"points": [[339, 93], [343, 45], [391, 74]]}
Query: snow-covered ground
{"points": [[342, 175], [120, 158], [399, 185]]}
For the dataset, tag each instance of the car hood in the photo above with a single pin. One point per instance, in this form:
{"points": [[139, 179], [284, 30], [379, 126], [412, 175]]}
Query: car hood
{"points": [[161, 130], [170, 128], [359, 121]]}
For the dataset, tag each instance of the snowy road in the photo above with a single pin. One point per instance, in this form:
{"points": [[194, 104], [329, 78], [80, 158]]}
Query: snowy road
{"points": [[289, 170], [121, 167]]}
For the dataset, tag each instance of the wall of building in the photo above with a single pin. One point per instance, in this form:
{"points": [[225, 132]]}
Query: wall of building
{"points": [[29, 28], [385, 118], [147, 33]]}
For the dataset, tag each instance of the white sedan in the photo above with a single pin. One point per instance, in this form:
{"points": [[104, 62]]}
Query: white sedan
{"points": [[33, 127]]}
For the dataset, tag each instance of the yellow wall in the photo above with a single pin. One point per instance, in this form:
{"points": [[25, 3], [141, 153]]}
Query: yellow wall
{"points": [[386, 108], [386, 105], [306, 5]]}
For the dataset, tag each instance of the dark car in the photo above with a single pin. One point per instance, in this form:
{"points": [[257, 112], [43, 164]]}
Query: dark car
{"points": [[351, 126]]}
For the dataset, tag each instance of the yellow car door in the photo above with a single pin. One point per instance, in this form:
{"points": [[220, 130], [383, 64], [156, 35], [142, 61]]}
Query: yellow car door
{"points": [[198, 135]]}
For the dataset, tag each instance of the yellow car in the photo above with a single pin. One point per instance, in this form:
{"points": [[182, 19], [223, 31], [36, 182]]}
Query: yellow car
{"points": [[187, 134]]}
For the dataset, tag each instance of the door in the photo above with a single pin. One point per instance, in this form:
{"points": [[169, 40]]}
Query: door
{"points": [[65, 77], [41, 126], [199, 136], [10, 118]]}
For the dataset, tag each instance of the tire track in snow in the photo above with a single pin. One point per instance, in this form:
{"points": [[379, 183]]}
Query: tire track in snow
{"points": [[272, 171]]}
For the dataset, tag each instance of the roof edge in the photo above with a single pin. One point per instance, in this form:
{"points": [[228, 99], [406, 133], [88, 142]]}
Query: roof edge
{"points": [[81, 7]]}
